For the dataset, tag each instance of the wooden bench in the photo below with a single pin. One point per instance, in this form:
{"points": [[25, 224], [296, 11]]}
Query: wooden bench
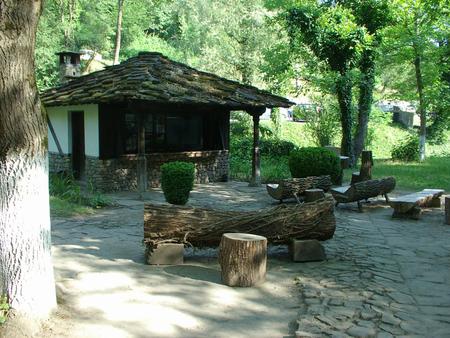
{"points": [[409, 206], [363, 191], [295, 187]]}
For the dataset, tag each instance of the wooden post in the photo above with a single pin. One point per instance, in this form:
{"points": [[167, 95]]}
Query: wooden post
{"points": [[256, 160], [141, 161], [447, 210], [243, 259]]}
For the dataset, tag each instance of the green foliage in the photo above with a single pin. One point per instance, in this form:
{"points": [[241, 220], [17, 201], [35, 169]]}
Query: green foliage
{"points": [[65, 188], [272, 147], [312, 161], [4, 308], [322, 121], [407, 151], [413, 176], [177, 180]]}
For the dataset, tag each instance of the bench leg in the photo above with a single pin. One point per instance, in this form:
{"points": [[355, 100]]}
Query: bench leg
{"points": [[359, 206], [413, 213], [435, 203]]}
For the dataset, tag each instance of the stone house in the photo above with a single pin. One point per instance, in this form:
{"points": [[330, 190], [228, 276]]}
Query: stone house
{"points": [[115, 127]]}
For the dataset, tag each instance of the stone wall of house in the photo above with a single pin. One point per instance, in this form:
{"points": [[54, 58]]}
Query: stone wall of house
{"points": [[59, 163], [121, 174]]}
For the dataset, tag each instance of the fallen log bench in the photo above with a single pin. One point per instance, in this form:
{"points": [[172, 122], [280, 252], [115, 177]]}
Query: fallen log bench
{"points": [[409, 206], [201, 227], [295, 187], [364, 190]]}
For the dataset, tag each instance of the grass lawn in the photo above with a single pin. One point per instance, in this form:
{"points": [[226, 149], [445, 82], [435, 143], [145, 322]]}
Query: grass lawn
{"points": [[62, 208], [433, 173]]}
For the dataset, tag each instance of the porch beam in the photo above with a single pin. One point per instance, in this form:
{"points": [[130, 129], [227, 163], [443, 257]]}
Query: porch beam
{"points": [[255, 180], [141, 160]]}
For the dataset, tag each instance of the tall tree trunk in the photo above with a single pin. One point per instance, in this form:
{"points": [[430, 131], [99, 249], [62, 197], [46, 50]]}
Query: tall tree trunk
{"points": [[118, 31], [367, 67], [422, 111], [26, 272], [344, 95]]}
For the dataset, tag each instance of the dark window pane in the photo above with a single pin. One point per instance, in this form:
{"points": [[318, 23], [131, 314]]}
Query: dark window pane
{"points": [[184, 132], [130, 137]]}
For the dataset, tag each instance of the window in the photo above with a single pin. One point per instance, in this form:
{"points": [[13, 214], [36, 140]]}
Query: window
{"points": [[164, 132], [130, 134], [184, 132]]}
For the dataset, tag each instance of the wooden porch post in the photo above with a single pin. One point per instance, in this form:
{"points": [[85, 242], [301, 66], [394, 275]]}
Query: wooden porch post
{"points": [[256, 160], [141, 161]]}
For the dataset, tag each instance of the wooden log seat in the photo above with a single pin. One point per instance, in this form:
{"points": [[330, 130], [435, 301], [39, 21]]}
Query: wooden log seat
{"points": [[295, 187], [409, 206], [363, 191], [201, 227], [243, 259]]}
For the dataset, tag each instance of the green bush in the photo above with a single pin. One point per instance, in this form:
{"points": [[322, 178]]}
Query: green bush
{"points": [[312, 161], [407, 151], [177, 180], [243, 147], [4, 308]]}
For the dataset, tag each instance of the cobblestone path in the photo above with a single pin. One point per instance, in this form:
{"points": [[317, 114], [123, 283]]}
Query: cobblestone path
{"points": [[383, 278]]}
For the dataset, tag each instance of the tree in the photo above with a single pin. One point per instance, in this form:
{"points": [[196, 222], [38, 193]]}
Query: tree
{"points": [[374, 15], [118, 31], [26, 272], [414, 42], [336, 39]]}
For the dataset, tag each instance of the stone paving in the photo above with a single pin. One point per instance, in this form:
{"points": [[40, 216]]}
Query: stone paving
{"points": [[382, 277]]}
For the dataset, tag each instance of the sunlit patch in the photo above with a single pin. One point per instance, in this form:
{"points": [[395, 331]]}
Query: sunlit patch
{"points": [[159, 313]]}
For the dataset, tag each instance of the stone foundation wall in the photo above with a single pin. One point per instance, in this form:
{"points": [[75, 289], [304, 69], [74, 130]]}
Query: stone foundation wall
{"points": [[59, 163], [121, 174]]}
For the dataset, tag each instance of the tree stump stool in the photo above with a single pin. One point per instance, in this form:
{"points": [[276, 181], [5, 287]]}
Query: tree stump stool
{"points": [[243, 259], [447, 209]]}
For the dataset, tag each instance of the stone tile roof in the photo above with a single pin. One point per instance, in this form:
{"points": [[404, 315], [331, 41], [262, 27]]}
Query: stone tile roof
{"points": [[155, 78]]}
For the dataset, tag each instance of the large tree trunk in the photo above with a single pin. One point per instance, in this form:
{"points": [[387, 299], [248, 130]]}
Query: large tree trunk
{"points": [[344, 95], [26, 272], [367, 67], [422, 111], [118, 31]]}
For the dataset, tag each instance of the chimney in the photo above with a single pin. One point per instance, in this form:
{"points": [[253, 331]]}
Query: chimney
{"points": [[69, 66]]}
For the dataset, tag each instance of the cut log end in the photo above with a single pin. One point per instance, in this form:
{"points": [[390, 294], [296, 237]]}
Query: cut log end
{"points": [[243, 259]]}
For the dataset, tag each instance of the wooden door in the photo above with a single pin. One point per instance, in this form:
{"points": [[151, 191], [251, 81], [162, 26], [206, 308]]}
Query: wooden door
{"points": [[78, 155]]}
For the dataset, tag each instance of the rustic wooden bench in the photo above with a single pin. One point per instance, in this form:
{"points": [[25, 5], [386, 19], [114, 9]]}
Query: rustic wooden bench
{"points": [[295, 187], [363, 191], [409, 206]]}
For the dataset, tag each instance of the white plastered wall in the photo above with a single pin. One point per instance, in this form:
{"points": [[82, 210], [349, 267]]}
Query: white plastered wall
{"points": [[60, 119]]}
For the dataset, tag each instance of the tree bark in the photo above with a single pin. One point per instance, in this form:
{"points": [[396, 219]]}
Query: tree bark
{"points": [[202, 227], [344, 95], [243, 259], [256, 160], [366, 85], [422, 112], [118, 32], [26, 272]]}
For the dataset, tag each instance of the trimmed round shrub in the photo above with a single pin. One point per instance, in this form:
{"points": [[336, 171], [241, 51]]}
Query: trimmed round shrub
{"points": [[314, 161], [407, 151], [177, 180], [276, 147]]}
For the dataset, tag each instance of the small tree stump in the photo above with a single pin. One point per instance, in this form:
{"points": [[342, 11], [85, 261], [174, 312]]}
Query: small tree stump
{"points": [[243, 259], [447, 209], [312, 195]]}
